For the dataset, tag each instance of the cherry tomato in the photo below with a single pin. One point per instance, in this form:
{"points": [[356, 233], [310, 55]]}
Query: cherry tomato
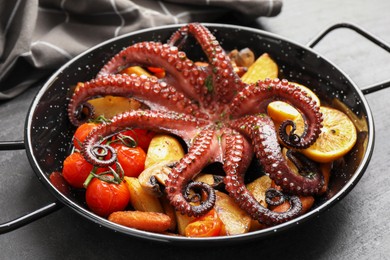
{"points": [[158, 72], [142, 137], [104, 198], [208, 225], [81, 133], [132, 159], [60, 183], [76, 169]]}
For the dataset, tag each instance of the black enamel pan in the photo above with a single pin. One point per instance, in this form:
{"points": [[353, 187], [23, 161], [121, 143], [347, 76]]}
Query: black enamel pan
{"points": [[48, 131]]}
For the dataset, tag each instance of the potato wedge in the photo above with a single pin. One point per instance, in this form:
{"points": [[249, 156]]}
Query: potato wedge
{"points": [[110, 106], [258, 188], [182, 221], [140, 199], [163, 148], [264, 67], [210, 179], [235, 220]]}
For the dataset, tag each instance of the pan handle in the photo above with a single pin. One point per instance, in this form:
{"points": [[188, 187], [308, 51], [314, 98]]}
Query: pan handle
{"points": [[371, 88], [31, 216]]}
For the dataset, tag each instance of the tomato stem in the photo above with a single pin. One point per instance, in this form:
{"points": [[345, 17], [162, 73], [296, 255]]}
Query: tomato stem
{"points": [[100, 119], [89, 179]]}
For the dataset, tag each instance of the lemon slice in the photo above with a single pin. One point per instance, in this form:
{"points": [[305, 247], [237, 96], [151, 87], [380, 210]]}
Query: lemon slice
{"points": [[280, 111], [264, 67], [338, 136]]}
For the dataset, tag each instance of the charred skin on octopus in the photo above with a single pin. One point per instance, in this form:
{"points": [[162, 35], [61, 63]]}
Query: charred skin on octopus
{"points": [[219, 117]]}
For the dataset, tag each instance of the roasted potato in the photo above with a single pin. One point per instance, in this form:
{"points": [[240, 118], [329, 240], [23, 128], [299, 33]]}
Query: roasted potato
{"points": [[140, 199], [258, 188], [235, 220], [182, 221], [110, 106], [163, 148]]}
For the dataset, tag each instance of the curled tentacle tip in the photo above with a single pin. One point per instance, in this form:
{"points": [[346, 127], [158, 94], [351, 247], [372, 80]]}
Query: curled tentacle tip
{"points": [[193, 194], [81, 113], [294, 138], [274, 197], [100, 155], [309, 170], [290, 138]]}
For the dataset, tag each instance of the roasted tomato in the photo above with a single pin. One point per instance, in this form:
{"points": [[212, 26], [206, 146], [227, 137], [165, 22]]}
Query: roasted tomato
{"points": [[158, 72], [103, 197], [132, 159], [140, 137], [60, 183], [81, 133], [208, 225], [76, 170]]}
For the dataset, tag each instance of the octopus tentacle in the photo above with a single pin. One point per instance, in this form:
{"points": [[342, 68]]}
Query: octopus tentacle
{"points": [[184, 126], [83, 112], [273, 193], [192, 194], [261, 130], [179, 37], [181, 72], [304, 165], [256, 97], [226, 82], [157, 95], [235, 165], [204, 150]]}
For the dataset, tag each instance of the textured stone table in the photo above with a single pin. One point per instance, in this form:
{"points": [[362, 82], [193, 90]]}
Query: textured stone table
{"points": [[356, 228]]}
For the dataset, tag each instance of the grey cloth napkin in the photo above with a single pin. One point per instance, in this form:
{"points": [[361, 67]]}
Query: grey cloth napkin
{"points": [[36, 37]]}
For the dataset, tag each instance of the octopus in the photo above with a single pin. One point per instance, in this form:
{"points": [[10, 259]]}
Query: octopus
{"points": [[220, 119]]}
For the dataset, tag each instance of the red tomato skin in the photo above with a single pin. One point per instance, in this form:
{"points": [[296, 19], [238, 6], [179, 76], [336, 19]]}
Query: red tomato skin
{"points": [[104, 198], [141, 136], [81, 133], [209, 225], [158, 72], [76, 169], [132, 159], [60, 183]]}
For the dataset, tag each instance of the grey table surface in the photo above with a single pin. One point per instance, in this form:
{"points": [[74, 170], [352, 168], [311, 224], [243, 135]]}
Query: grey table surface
{"points": [[356, 228]]}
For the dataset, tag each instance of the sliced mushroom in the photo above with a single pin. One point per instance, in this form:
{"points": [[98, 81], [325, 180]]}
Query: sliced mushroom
{"points": [[242, 58], [153, 177], [245, 58]]}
